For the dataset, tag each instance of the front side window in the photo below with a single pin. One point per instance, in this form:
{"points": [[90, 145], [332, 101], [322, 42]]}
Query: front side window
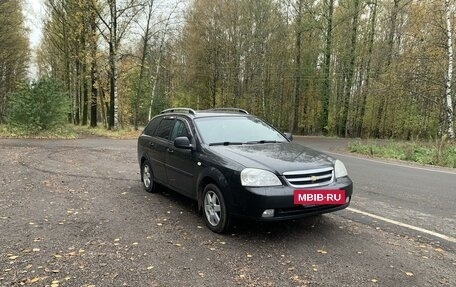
{"points": [[164, 129], [240, 130], [180, 130]]}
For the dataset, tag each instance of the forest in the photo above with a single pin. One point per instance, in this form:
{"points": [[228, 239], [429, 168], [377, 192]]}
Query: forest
{"points": [[347, 68]]}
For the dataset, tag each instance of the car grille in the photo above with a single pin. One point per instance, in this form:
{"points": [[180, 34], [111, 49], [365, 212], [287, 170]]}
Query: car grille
{"points": [[310, 178]]}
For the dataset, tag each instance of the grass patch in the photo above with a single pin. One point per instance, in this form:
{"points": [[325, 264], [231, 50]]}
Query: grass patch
{"points": [[439, 152], [125, 133], [68, 131], [62, 132]]}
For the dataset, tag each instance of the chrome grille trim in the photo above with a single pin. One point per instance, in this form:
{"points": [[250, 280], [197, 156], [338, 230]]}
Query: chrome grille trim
{"points": [[310, 178]]}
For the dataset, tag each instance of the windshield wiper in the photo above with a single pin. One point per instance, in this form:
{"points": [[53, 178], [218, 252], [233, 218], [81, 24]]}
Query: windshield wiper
{"points": [[225, 143], [261, 142]]}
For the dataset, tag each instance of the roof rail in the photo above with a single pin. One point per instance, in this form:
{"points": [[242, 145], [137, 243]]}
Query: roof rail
{"points": [[237, 110], [172, 110]]}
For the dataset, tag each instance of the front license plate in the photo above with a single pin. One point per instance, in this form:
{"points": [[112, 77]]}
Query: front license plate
{"points": [[319, 197]]}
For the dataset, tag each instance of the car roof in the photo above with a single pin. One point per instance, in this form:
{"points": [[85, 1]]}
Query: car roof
{"points": [[205, 113]]}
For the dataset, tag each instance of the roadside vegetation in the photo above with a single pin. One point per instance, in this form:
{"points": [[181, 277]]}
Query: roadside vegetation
{"points": [[41, 110], [68, 131], [438, 152]]}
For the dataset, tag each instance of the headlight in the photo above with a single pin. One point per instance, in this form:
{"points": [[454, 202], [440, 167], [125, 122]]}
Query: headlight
{"points": [[259, 177], [339, 169]]}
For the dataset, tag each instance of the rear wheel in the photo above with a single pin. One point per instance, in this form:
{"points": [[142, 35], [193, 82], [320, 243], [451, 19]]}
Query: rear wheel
{"points": [[147, 177], [214, 209]]}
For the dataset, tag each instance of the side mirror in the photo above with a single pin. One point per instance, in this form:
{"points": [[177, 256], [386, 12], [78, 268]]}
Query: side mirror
{"points": [[183, 142], [289, 136]]}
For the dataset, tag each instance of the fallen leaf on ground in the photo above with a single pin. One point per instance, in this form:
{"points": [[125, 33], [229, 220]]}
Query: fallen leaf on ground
{"points": [[13, 257], [321, 251], [409, 273], [249, 255], [34, 280], [374, 280]]}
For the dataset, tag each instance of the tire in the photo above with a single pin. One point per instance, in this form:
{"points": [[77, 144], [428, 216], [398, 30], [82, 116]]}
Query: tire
{"points": [[215, 212], [147, 177]]}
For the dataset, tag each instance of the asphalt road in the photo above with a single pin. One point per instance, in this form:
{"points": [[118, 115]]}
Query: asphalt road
{"points": [[420, 196], [73, 213]]}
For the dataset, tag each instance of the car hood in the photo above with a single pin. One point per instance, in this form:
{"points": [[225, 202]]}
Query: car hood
{"points": [[278, 157]]}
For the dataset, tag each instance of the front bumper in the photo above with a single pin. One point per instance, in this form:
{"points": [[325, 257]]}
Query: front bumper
{"points": [[251, 202]]}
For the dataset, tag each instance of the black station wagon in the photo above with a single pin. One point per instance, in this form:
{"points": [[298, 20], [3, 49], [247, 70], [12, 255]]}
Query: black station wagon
{"points": [[236, 165]]}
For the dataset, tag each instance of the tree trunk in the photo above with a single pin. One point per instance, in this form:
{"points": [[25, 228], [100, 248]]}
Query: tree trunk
{"points": [[77, 93], [365, 91], [382, 112], [113, 103], [326, 72], [351, 70], [143, 59], [85, 88], [449, 74], [157, 70], [93, 71], [297, 88]]}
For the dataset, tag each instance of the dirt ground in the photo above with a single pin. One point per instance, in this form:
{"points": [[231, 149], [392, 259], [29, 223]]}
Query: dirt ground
{"points": [[73, 213]]}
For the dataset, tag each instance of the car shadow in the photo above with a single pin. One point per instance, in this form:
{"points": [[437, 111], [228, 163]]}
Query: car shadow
{"points": [[320, 226]]}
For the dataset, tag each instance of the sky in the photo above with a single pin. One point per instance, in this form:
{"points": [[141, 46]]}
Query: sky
{"points": [[34, 12]]}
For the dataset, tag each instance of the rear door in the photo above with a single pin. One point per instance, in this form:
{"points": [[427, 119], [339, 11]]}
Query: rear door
{"points": [[158, 149], [180, 163]]}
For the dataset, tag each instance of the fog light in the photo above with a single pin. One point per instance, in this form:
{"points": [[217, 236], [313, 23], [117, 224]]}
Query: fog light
{"points": [[268, 213], [347, 199]]}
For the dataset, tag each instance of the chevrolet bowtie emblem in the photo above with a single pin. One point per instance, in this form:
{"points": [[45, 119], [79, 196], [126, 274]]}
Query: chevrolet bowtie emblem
{"points": [[314, 178]]}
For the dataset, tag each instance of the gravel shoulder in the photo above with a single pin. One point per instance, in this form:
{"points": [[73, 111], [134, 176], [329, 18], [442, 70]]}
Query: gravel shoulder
{"points": [[73, 213]]}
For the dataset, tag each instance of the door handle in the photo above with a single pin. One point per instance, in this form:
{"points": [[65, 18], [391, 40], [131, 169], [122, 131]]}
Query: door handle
{"points": [[169, 150]]}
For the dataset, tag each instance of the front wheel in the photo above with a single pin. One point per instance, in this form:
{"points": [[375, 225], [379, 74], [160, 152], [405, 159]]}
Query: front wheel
{"points": [[214, 209], [147, 177]]}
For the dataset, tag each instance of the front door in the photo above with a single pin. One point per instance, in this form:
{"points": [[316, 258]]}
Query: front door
{"points": [[180, 163]]}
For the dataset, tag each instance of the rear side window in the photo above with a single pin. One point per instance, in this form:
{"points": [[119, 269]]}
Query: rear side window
{"points": [[164, 128], [152, 126]]}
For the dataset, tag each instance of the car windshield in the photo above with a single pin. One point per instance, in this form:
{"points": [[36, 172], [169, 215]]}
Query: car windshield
{"points": [[236, 130]]}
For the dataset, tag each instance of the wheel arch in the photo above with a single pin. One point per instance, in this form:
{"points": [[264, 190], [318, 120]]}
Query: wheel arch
{"points": [[214, 176], [141, 162]]}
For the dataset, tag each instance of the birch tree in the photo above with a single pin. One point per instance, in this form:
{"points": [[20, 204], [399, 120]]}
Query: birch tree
{"points": [[449, 74], [145, 41]]}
